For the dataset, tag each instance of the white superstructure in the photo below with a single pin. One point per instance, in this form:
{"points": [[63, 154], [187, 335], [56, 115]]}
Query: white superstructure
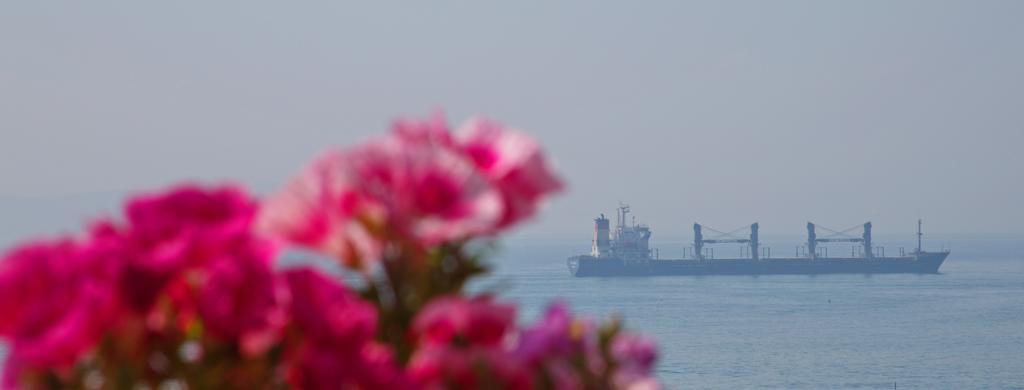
{"points": [[631, 240]]}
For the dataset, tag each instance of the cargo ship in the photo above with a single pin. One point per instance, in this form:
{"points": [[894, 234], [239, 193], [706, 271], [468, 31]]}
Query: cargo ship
{"points": [[626, 252]]}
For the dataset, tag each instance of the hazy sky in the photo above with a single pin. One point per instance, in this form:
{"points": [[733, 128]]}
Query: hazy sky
{"points": [[719, 112]]}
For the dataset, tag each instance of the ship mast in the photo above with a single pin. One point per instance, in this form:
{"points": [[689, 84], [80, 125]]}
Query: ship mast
{"points": [[623, 210], [918, 236]]}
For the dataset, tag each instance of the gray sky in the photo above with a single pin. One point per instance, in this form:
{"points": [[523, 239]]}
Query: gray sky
{"points": [[719, 112]]}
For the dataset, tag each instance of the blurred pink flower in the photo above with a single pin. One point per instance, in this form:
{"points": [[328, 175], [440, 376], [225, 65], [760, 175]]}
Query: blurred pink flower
{"points": [[337, 330], [422, 190], [10, 378], [635, 356], [549, 337], [320, 209], [432, 192], [327, 313], [512, 161], [193, 249], [476, 321], [634, 352], [449, 367], [203, 218], [181, 228], [242, 300], [370, 366], [57, 300], [558, 339], [433, 130], [420, 182]]}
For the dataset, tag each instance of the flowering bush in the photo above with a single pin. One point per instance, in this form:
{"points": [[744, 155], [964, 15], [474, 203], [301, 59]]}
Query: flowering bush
{"points": [[183, 289]]}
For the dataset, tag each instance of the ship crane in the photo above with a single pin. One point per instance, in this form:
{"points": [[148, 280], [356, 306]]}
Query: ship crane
{"points": [[724, 238], [838, 236]]}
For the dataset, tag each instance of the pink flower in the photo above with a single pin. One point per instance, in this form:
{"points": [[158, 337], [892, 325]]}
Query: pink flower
{"points": [[371, 366], [336, 328], [420, 184], [411, 183], [448, 367], [328, 313], [203, 219], [24, 275], [550, 337], [57, 301], [242, 300], [463, 345], [10, 379], [635, 356], [559, 346], [634, 352], [431, 192], [180, 229], [322, 209], [433, 130], [512, 161], [476, 321]]}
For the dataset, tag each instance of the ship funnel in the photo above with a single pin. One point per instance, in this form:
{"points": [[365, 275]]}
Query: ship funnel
{"points": [[602, 237]]}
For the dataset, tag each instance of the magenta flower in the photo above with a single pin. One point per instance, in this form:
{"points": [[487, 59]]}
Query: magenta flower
{"points": [[514, 163], [476, 321], [203, 219], [449, 367], [184, 290], [432, 193], [464, 343], [550, 337], [635, 356], [242, 300], [336, 330], [11, 376], [180, 229], [558, 339], [57, 301], [433, 130], [420, 183], [421, 190], [371, 366], [327, 313], [322, 209]]}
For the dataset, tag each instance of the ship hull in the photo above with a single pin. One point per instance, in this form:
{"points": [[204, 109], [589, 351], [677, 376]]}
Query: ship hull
{"points": [[589, 266]]}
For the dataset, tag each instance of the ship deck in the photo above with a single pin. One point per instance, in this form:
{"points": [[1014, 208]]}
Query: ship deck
{"points": [[594, 266]]}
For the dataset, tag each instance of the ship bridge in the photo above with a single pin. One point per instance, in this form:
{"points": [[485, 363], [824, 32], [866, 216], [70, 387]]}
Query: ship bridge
{"points": [[630, 241]]}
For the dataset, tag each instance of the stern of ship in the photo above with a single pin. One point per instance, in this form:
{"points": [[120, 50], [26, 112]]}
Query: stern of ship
{"points": [[574, 265]]}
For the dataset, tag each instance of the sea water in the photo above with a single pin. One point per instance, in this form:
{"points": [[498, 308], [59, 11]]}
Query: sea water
{"points": [[963, 328]]}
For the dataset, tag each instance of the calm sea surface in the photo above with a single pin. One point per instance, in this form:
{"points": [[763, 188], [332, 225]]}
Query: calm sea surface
{"points": [[961, 329]]}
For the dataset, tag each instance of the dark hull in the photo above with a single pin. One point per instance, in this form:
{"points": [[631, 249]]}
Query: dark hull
{"points": [[925, 263]]}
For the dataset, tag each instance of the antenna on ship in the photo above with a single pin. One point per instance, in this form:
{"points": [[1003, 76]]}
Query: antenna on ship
{"points": [[623, 210]]}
